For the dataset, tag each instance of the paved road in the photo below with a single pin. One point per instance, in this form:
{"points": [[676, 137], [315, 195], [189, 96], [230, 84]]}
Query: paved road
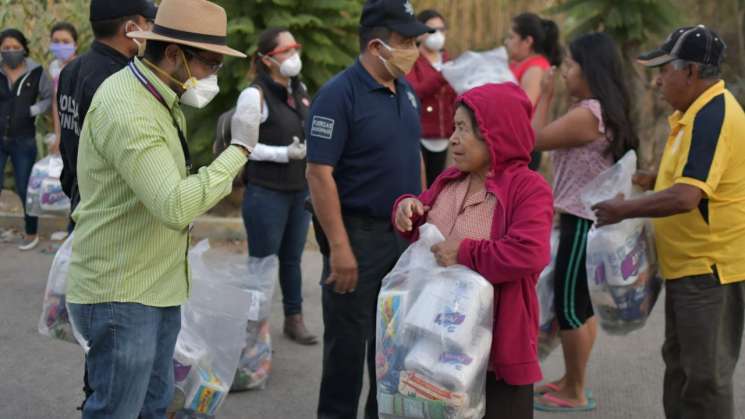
{"points": [[41, 377]]}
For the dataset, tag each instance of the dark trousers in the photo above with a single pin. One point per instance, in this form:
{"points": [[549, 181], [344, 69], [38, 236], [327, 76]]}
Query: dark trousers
{"points": [[434, 163], [504, 401], [277, 224], [349, 320], [22, 153], [703, 336]]}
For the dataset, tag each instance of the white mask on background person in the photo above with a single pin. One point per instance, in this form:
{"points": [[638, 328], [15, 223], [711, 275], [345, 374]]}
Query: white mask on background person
{"points": [[292, 66], [435, 41], [199, 93]]}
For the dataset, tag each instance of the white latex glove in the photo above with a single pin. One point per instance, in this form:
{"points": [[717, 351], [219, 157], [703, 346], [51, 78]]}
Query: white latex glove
{"points": [[244, 126], [296, 150]]}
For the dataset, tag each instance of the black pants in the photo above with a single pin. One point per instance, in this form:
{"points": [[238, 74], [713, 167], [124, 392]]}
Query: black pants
{"points": [[434, 164], [504, 401], [703, 338], [349, 320]]}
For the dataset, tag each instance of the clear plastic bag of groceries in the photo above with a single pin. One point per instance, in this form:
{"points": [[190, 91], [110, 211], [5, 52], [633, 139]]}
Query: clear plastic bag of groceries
{"points": [[548, 331], [473, 69], [255, 363], [213, 332], [621, 261], [55, 321], [433, 337], [39, 172], [44, 195]]}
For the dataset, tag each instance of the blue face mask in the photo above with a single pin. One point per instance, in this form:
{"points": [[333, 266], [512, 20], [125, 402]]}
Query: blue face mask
{"points": [[62, 52]]}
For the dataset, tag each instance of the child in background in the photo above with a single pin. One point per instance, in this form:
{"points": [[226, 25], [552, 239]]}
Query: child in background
{"points": [[496, 217], [533, 47], [595, 133]]}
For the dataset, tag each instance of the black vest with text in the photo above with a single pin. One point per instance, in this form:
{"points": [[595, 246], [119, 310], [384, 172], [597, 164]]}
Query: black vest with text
{"points": [[284, 123]]}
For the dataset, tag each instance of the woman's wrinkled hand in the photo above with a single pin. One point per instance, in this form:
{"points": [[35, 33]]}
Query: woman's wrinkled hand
{"points": [[446, 253], [406, 211]]}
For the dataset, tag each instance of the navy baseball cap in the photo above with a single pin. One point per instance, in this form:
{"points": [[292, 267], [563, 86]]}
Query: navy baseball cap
{"points": [[697, 44], [396, 15], [115, 9]]}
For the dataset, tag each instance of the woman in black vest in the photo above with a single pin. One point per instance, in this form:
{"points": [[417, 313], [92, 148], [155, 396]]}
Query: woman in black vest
{"points": [[273, 207], [25, 93]]}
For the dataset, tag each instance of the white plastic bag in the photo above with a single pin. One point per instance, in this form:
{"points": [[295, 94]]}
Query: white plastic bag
{"points": [[433, 337], [473, 69], [255, 364], [621, 261], [548, 332], [44, 195], [212, 335], [55, 321]]}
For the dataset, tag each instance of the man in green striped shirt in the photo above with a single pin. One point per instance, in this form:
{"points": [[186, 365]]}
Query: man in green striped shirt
{"points": [[129, 272]]}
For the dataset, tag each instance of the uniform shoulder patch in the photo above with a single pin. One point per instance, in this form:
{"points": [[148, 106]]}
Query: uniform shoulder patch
{"points": [[322, 127]]}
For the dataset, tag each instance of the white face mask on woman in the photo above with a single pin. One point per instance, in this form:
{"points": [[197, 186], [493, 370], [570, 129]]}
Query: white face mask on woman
{"points": [[291, 67], [435, 42]]}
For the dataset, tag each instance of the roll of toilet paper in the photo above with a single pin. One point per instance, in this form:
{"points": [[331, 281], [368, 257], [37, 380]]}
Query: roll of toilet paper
{"points": [[451, 368], [450, 309]]}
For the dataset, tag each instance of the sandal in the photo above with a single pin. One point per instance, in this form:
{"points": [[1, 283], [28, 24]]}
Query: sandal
{"points": [[550, 403], [553, 387]]}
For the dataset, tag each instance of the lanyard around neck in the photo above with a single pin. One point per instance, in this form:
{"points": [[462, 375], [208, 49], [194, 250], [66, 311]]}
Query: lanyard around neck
{"points": [[153, 91]]}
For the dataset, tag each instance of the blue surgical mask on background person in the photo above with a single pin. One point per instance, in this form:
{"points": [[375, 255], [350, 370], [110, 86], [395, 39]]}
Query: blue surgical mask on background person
{"points": [[62, 52]]}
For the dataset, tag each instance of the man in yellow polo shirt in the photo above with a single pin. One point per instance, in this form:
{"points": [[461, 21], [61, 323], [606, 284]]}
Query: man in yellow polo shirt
{"points": [[699, 212]]}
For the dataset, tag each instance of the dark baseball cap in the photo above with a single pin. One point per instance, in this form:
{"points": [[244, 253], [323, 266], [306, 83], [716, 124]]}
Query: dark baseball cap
{"points": [[114, 9], [396, 15], [697, 44]]}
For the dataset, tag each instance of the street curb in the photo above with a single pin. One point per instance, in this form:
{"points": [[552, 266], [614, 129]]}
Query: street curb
{"points": [[205, 227]]}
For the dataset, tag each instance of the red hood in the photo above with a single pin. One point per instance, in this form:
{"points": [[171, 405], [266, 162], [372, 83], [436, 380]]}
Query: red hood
{"points": [[503, 113]]}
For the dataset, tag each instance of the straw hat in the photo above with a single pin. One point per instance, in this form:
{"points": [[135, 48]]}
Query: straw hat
{"points": [[196, 23]]}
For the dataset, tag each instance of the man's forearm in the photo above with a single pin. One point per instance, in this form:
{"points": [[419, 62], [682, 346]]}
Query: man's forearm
{"points": [[327, 208], [659, 204]]}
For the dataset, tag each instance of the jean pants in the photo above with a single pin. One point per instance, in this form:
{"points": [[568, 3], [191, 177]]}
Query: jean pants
{"points": [[130, 361], [22, 153], [277, 224]]}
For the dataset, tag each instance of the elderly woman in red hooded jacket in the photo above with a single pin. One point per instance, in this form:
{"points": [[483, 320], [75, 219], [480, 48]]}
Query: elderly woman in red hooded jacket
{"points": [[496, 216]]}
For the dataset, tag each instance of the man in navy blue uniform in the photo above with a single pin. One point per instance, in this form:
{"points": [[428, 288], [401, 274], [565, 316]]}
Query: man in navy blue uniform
{"points": [[363, 152]]}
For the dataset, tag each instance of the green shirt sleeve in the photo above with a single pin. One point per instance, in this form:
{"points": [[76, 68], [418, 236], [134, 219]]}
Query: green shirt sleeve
{"points": [[138, 149]]}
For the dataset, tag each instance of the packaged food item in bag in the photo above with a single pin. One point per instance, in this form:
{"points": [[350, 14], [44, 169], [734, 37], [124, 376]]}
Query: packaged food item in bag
{"points": [[55, 321], [44, 195], [255, 363], [213, 332], [433, 337], [548, 330], [473, 69], [621, 261]]}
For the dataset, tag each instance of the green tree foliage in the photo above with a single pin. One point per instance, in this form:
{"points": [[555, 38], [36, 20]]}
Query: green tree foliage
{"points": [[631, 22], [327, 29]]}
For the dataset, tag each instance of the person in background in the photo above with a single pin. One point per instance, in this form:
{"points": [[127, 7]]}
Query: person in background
{"points": [[435, 94], [63, 46], [111, 20], [595, 133], [25, 93], [129, 271], [363, 152], [533, 48], [698, 211], [274, 204], [496, 217]]}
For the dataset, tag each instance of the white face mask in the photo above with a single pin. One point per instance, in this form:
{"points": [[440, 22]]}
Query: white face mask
{"points": [[291, 67], [435, 41], [199, 93]]}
